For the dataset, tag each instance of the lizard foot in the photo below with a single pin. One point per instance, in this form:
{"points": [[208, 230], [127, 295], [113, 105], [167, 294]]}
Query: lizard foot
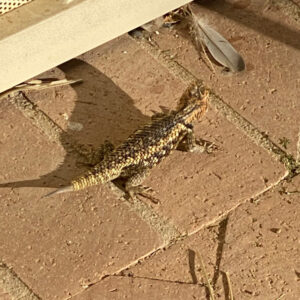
{"points": [[143, 191], [203, 146]]}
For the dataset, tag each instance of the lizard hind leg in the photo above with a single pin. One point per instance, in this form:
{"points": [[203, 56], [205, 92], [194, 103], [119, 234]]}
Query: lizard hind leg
{"points": [[134, 188]]}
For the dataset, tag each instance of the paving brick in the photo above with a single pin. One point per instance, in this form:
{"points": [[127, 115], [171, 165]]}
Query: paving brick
{"points": [[59, 245], [141, 288], [267, 92], [258, 246]]}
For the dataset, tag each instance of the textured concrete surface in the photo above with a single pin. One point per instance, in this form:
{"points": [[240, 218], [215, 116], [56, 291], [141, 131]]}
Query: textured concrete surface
{"points": [[236, 206]]}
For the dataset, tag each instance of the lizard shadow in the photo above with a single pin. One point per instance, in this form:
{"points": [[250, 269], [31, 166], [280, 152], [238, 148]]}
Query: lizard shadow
{"points": [[102, 112]]}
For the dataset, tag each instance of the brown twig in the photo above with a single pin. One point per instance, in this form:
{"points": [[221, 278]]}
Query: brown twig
{"points": [[210, 289], [38, 84], [229, 286]]}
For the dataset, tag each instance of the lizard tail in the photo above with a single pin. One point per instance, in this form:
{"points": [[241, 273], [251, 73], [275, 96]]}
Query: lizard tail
{"points": [[65, 189]]}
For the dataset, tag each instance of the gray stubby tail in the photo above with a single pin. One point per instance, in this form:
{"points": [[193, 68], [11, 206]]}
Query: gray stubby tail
{"points": [[64, 189]]}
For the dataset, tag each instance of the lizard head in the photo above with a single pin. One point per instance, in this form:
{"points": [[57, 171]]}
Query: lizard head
{"points": [[193, 104]]}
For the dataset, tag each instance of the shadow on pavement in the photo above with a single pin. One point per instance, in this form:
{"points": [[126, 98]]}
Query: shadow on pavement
{"points": [[105, 112]]}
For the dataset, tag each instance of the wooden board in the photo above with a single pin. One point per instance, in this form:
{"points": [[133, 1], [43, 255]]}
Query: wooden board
{"points": [[44, 34]]}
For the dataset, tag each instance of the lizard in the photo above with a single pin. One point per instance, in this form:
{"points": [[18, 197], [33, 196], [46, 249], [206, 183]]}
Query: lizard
{"points": [[146, 147]]}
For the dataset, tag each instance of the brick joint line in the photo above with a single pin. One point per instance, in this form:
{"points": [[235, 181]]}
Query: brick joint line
{"points": [[45, 124], [37, 117], [167, 231], [116, 273]]}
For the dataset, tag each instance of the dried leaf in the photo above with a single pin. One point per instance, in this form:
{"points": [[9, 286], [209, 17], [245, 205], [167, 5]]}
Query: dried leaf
{"points": [[221, 50], [38, 84]]}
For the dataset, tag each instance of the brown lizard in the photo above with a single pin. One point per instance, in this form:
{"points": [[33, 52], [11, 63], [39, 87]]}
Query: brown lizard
{"points": [[146, 147]]}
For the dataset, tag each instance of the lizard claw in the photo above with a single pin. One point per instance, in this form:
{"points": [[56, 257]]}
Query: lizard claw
{"points": [[143, 191], [148, 189], [203, 146]]}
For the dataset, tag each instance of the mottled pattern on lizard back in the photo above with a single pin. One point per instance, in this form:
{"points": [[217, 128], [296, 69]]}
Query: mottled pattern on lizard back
{"points": [[147, 146]]}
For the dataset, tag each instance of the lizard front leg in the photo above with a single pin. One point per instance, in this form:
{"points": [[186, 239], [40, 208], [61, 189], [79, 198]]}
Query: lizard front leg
{"points": [[133, 185], [190, 144]]}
